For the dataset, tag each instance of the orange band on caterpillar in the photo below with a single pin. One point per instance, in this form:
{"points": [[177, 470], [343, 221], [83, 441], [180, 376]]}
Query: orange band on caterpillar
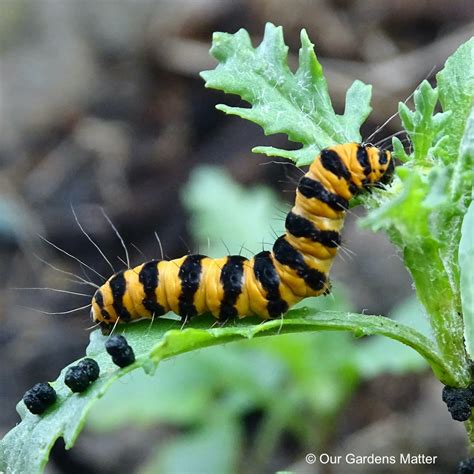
{"points": [[269, 283]]}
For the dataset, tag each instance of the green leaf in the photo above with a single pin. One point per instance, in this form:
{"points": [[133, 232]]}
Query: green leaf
{"points": [[419, 221], [296, 104], [456, 93], [462, 183], [425, 129], [398, 150], [464, 174], [404, 217], [26, 447], [466, 266], [423, 212]]}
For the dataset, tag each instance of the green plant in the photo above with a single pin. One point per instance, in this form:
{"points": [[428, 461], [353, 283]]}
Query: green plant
{"points": [[422, 213], [317, 373]]}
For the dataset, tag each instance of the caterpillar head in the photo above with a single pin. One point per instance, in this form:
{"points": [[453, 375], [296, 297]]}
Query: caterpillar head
{"points": [[102, 311], [381, 165]]}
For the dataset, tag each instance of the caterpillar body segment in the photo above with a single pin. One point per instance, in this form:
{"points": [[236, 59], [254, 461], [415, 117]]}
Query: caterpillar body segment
{"points": [[269, 283]]}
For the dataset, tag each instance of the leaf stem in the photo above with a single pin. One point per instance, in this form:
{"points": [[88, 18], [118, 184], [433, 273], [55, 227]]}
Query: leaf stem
{"points": [[308, 320]]}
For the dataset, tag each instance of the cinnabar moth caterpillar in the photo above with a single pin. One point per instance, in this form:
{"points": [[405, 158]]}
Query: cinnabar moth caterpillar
{"points": [[269, 283]]}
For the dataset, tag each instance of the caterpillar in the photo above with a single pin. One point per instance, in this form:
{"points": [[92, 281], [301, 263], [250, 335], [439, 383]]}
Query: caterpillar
{"points": [[270, 282]]}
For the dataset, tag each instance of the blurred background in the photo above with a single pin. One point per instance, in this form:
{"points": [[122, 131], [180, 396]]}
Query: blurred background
{"points": [[102, 106]]}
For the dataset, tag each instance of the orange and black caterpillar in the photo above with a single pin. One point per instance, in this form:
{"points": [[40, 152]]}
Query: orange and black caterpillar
{"points": [[269, 283]]}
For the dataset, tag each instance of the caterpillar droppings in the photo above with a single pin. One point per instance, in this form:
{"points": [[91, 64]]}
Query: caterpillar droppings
{"points": [[39, 398], [79, 377], [269, 283], [122, 354]]}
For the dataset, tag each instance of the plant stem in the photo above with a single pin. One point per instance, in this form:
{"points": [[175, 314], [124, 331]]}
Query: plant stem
{"points": [[470, 434], [441, 302]]}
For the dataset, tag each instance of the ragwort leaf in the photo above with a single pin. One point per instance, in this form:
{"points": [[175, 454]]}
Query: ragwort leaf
{"points": [[26, 447], [456, 92], [296, 104]]}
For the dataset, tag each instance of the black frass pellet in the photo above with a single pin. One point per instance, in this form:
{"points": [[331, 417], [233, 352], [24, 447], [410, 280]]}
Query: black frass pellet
{"points": [[38, 398], [122, 354], [80, 376]]}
